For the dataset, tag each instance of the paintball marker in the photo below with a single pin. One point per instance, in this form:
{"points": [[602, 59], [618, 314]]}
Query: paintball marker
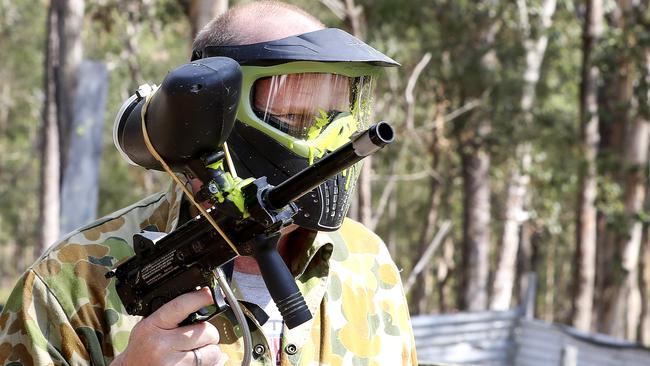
{"points": [[185, 122]]}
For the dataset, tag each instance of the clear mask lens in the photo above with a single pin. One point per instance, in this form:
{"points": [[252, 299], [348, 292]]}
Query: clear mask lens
{"points": [[302, 105]]}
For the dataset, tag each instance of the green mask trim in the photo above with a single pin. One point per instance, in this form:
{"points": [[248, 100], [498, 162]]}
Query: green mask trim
{"points": [[315, 145]]}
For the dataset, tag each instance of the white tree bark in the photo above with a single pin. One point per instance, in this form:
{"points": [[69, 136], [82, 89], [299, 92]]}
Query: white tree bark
{"points": [[518, 182], [444, 269], [504, 276], [625, 317], [50, 155], [643, 333], [590, 137], [644, 288], [638, 153]]}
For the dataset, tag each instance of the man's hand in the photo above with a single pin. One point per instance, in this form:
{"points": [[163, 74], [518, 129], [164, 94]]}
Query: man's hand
{"points": [[158, 340]]}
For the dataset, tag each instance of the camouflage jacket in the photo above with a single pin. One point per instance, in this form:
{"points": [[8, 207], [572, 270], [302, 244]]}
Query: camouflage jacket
{"points": [[64, 312]]}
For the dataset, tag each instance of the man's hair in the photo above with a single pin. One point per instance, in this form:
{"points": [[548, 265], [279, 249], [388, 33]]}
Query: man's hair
{"points": [[234, 27]]}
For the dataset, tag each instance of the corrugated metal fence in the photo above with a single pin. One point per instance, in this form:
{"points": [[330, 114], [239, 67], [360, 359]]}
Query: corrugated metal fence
{"points": [[485, 338], [539, 343], [509, 338]]}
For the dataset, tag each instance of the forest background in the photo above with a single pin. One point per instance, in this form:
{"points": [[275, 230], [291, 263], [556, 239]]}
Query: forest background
{"points": [[523, 140]]}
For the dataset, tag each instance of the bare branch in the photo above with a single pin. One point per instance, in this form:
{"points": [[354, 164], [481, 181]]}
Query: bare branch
{"points": [[383, 201], [410, 86], [408, 177], [416, 138], [417, 70], [426, 256], [336, 6], [457, 112], [464, 109]]}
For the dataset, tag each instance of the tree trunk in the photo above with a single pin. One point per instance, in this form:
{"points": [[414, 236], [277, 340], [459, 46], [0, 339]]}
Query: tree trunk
{"points": [[628, 306], [622, 109], [364, 192], [201, 12], [504, 276], [423, 290], [475, 165], [614, 96], [525, 258], [586, 216], [643, 330], [5, 101], [444, 271], [63, 54], [550, 285], [71, 17], [392, 232], [476, 229], [50, 153], [517, 190], [623, 317]]}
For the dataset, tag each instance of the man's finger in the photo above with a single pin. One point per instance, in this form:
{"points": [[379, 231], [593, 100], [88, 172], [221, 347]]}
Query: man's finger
{"points": [[210, 355], [193, 336], [175, 311]]}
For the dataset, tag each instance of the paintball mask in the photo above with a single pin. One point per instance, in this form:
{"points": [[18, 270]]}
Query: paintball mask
{"points": [[302, 97]]}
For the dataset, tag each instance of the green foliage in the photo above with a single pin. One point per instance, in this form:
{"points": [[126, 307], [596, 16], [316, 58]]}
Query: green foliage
{"points": [[21, 41]]}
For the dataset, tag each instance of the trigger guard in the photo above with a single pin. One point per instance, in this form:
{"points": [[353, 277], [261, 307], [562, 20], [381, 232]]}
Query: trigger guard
{"points": [[219, 299]]}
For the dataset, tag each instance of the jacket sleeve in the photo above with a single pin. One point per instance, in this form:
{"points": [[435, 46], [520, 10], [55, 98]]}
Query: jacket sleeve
{"points": [[375, 317], [34, 329], [409, 356], [398, 311], [395, 313]]}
